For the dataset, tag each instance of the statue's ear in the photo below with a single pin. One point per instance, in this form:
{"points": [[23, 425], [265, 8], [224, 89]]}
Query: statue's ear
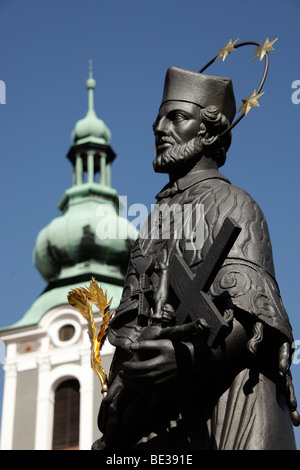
{"points": [[203, 133], [202, 130]]}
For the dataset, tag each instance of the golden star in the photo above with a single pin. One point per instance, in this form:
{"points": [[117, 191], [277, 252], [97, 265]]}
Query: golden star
{"points": [[224, 51], [264, 48], [250, 102]]}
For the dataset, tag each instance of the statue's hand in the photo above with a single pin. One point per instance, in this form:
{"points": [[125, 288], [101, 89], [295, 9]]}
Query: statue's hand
{"points": [[154, 365], [163, 354]]}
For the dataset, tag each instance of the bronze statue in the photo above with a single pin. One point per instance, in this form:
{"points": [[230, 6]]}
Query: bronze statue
{"points": [[203, 342]]}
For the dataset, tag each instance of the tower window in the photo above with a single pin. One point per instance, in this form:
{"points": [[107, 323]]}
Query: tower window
{"points": [[66, 332], [66, 416]]}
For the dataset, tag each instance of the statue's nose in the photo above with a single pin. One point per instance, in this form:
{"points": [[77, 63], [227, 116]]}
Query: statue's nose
{"points": [[162, 126]]}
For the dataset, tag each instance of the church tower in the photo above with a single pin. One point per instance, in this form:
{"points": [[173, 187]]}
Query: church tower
{"points": [[51, 395]]}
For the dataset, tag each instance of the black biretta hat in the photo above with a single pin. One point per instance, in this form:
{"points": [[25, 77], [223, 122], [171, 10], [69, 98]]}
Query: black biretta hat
{"points": [[200, 89]]}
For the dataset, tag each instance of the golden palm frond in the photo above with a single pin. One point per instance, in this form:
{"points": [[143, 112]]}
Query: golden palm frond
{"points": [[82, 299]]}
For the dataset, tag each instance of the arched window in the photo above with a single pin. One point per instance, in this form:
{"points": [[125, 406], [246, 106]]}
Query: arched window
{"points": [[66, 416]]}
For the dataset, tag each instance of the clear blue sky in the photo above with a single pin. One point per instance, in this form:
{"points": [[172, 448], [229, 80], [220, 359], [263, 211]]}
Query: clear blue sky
{"points": [[45, 47]]}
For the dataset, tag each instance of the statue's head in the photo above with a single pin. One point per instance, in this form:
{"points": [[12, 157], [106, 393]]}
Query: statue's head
{"points": [[195, 110]]}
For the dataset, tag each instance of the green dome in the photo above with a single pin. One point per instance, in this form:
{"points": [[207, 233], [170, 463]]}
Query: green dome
{"points": [[90, 236], [91, 127]]}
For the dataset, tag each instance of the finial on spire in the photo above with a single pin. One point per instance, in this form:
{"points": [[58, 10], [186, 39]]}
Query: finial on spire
{"points": [[91, 85], [90, 68]]}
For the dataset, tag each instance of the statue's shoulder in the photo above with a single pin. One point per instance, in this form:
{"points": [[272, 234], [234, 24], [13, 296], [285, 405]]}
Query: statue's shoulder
{"points": [[216, 191], [244, 208], [222, 199]]}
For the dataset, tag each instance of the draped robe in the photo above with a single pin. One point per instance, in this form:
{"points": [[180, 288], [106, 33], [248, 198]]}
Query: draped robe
{"points": [[240, 406]]}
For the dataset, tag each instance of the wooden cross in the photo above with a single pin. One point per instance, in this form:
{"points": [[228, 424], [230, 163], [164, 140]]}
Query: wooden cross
{"points": [[144, 287], [191, 289]]}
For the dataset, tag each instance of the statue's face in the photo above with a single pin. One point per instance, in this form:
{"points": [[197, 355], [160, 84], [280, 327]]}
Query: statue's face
{"points": [[176, 135]]}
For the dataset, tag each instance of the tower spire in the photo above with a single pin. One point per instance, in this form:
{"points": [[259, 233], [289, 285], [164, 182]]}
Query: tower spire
{"points": [[91, 85], [81, 247], [91, 128]]}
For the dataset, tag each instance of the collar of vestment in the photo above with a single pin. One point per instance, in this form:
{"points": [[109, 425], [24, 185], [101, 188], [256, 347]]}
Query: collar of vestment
{"points": [[189, 180]]}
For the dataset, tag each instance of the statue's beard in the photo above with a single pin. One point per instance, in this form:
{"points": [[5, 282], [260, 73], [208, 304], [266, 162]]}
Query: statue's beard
{"points": [[178, 156]]}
